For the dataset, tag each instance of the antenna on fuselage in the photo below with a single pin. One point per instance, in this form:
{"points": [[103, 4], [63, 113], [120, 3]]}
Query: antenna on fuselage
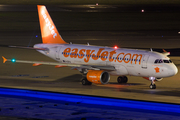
{"points": [[151, 49]]}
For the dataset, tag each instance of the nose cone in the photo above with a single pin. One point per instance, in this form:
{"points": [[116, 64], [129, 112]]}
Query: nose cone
{"points": [[174, 70]]}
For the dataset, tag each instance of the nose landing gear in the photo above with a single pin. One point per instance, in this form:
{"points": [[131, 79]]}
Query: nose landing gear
{"points": [[153, 85]]}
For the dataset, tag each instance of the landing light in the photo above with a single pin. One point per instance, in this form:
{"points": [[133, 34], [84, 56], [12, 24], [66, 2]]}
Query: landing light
{"points": [[13, 60]]}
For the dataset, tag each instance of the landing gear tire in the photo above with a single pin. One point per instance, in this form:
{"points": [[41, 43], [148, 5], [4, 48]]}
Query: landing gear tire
{"points": [[152, 86], [85, 82], [122, 79]]}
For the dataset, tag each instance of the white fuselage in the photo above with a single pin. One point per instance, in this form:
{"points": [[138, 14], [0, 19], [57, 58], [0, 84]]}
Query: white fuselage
{"points": [[126, 61]]}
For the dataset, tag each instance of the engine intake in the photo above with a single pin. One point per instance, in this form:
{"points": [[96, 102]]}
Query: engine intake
{"points": [[159, 79], [98, 76]]}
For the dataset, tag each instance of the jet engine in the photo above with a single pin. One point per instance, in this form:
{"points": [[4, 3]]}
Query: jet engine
{"points": [[156, 79], [98, 76], [159, 79]]}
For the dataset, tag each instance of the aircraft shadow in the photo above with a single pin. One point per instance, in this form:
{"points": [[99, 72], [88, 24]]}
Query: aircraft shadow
{"points": [[78, 77], [72, 78], [127, 84]]}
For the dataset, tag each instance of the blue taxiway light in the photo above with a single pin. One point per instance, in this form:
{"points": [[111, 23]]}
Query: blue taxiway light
{"points": [[93, 100]]}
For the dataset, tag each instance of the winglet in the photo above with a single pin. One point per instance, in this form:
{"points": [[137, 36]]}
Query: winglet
{"points": [[4, 59]]}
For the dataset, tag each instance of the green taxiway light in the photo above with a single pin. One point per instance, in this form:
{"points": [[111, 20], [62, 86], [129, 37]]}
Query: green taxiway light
{"points": [[13, 60]]}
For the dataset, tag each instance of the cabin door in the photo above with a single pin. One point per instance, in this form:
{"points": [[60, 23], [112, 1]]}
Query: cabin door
{"points": [[144, 61], [58, 53]]}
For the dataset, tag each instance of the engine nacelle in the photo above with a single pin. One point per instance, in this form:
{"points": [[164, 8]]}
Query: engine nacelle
{"points": [[98, 76], [159, 79], [156, 79]]}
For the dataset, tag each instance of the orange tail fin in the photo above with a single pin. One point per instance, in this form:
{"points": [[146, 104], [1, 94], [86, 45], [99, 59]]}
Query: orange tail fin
{"points": [[49, 31]]}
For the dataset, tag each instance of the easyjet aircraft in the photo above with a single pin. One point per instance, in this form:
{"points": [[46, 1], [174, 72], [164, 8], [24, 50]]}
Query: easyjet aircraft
{"points": [[98, 63]]}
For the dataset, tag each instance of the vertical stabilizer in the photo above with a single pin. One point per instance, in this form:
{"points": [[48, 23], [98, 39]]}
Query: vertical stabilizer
{"points": [[49, 31]]}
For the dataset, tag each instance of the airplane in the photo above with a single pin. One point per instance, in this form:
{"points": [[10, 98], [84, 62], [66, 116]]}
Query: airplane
{"points": [[97, 63]]}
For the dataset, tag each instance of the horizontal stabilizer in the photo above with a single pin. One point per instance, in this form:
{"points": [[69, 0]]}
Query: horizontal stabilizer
{"points": [[11, 46]]}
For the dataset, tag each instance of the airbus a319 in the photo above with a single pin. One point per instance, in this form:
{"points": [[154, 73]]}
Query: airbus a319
{"points": [[97, 63]]}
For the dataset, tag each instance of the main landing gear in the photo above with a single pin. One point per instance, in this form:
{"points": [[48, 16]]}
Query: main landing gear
{"points": [[153, 85], [122, 79], [84, 81]]}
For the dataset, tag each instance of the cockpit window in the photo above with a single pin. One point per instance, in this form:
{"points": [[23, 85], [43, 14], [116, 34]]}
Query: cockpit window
{"points": [[162, 61], [166, 61], [156, 61]]}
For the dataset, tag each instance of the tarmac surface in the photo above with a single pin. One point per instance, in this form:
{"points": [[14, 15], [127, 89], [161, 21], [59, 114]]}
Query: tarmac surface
{"points": [[65, 80]]}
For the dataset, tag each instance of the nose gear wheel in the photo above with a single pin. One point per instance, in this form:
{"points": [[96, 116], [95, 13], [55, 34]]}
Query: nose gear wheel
{"points": [[152, 86]]}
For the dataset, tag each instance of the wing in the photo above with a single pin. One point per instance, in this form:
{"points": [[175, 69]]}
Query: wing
{"points": [[36, 63]]}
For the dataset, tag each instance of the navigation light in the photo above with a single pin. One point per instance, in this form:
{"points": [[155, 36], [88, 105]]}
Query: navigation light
{"points": [[13, 60]]}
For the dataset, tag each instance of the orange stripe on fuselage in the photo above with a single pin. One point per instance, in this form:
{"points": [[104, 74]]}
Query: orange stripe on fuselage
{"points": [[103, 55]]}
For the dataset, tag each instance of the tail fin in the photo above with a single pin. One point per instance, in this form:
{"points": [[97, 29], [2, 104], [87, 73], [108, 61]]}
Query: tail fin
{"points": [[49, 31]]}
